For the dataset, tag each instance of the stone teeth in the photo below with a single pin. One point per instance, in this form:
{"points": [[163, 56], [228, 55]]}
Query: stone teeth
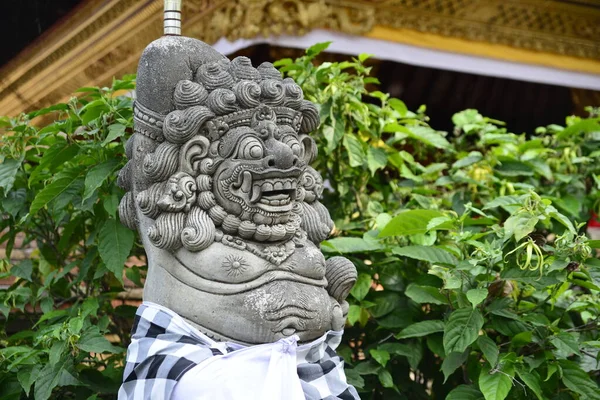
{"points": [[267, 187], [287, 185], [278, 186]]}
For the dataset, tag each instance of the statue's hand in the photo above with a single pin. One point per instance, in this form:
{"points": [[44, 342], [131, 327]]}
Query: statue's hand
{"points": [[341, 276]]}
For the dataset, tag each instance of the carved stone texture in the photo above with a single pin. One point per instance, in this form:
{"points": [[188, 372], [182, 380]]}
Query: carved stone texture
{"points": [[219, 187]]}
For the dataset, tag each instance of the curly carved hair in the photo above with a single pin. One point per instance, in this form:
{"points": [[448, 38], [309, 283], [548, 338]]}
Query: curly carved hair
{"points": [[177, 194]]}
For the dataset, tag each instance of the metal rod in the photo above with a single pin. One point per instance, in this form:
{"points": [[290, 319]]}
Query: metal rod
{"points": [[172, 19]]}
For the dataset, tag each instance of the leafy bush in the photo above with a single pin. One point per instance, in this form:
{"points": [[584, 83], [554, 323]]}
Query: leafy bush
{"points": [[59, 194], [475, 281]]}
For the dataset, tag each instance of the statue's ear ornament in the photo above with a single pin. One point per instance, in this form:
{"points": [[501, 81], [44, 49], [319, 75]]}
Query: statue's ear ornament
{"points": [[192, 153], [309, 148]]}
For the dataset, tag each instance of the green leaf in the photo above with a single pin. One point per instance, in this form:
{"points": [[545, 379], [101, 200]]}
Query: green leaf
{"points": [[472, 158], [376, 159], [114, 244], [423, 134], [464, 392], [489, 349], [503, 201], [317, 48], [426, 253], [381, 356], [532, 380], [362, 57], [531, 277], [111, 204], [441, 223], [452, 362], [63, 182], [133, 274], [96, 177], [594, 244], [462, 329], [114, 131], [420, 329], [93, 341], [385, 378], [566, 344], [385, 302], [47, 380], [27, 376], [356, 154], [353, 378], [512, 168], [350, 245], [52, 108], [93, 110], [520, 225], [410, 222], [56, 155], [578, 380], [425, 294], [23, 270], [354, 312], [367, 368], [361, 287], [566, 222], [495, 384], [8, 172], [413, 352], [14, 201], [585, 126], [476, 296], [399, 106]]}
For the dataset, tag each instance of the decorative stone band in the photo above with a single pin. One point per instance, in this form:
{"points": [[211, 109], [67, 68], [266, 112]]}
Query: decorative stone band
{"points": [[280, 115], [147, 122]]}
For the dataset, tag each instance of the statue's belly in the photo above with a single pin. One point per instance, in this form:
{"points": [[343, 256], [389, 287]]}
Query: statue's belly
{"points": [[262, 314], [220, 263]]}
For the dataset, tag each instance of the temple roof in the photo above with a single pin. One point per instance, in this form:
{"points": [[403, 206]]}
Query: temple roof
{"points": [[101, 39]]}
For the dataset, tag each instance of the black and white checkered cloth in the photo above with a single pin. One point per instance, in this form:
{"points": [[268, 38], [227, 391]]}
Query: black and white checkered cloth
{"points": [[164, 347]]}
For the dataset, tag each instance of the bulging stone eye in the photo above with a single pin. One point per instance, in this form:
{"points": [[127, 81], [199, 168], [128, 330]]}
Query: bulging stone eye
{"points": [[250, 148], [293, 144]]}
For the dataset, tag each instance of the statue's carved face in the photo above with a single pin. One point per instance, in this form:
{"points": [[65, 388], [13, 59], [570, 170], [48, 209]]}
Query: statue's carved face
{"points": [[232, 159], [259, 175]]}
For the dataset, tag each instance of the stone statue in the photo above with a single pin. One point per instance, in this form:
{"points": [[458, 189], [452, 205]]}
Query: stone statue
{"points": [[220, 189]]}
